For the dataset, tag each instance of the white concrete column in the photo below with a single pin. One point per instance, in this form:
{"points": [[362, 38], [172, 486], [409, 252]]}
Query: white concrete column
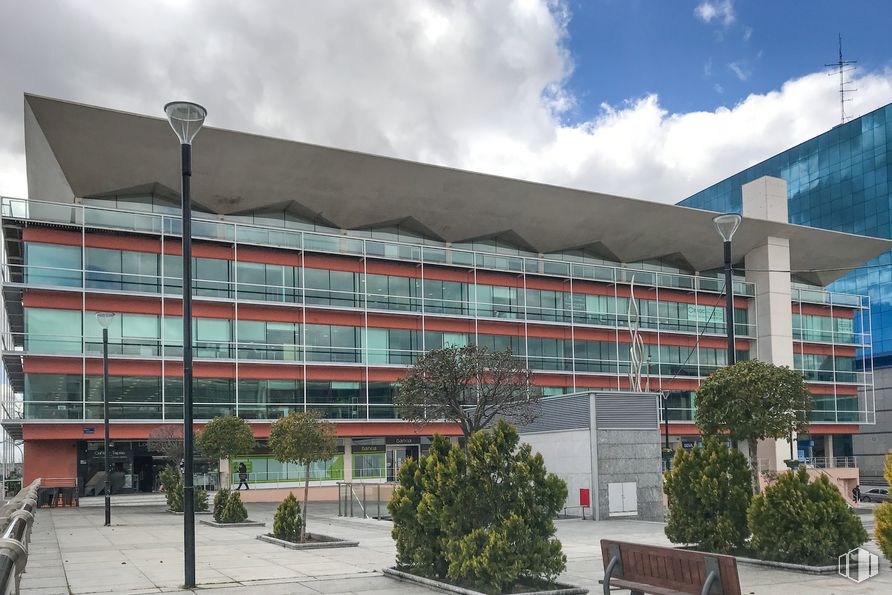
{"points": [[828, 449], [348, 459], [767, 266]]}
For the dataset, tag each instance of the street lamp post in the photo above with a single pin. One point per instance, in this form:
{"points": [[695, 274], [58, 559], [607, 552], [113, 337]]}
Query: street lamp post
{"points": [[186, 120], [726, 225], [105, 319]]}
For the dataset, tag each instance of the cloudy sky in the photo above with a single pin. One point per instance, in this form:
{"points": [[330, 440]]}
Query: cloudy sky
{"points": [[640, 98]]}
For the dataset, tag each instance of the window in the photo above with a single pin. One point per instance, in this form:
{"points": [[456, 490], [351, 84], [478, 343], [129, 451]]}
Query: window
{"points": [[212, 337], [333, 343], [48, 264], [103, 268], [331, 288], [140, 272], [52, 331], [268, 282], [53, 387], [140, 334]]}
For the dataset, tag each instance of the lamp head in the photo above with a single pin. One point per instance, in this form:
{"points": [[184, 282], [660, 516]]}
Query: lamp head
{"points": [[726, 225], [186, 119], [105, 318]]}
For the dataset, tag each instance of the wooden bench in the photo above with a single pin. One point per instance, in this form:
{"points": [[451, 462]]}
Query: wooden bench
{"points": [[667, 571]]}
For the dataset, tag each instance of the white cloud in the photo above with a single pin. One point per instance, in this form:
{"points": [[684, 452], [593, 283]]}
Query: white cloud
{"points": [[747, 33], [718, 88], [474, 85], [740, 70], [721, 11], [707, 67]]}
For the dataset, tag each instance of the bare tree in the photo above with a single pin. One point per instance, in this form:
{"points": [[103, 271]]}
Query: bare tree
{"points": [[470, 386], [168, 440]]}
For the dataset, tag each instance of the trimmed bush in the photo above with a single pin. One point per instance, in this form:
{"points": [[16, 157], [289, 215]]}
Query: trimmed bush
{"points": [[173, 488], [709, 490], [803, 522], [481, 518], [883, 515], [201, 500], [173, 491], [287, 522], [234, 511], [220, 503]]}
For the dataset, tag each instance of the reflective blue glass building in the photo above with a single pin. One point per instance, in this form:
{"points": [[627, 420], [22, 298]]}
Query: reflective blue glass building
{"points": [[839, 180]]}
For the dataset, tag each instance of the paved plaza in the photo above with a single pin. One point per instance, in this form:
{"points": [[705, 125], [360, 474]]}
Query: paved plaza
{"points": [[71, 552]]}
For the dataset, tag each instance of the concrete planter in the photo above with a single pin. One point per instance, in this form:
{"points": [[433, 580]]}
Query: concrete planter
{"points": [[221, 525], [323, 541], [402, 575]]}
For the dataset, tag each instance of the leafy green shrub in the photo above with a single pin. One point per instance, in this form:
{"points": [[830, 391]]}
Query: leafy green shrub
{"points": [[480, 518], [220, 503], [234, 511], [173, 488], [709, 489], [883, 515], [173, 491], [803, 522], [201, 500], [287, 522]]}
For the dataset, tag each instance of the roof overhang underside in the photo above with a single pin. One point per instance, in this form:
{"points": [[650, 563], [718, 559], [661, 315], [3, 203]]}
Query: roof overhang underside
{"points": [[98, 151]]}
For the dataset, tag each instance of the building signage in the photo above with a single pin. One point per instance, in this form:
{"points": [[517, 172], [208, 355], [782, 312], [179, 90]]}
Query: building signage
{"points": [[89, 430], [701, 313], [687, 445], [413, 440], [367, 448]]}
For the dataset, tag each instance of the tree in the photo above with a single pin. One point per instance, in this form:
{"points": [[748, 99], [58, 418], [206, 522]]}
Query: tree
{"points": [[481, 517], [226, 436], [709, 489], [883, 515], [470, 386], [303, 438], [168, 440], [753, 401], [803, 522]]}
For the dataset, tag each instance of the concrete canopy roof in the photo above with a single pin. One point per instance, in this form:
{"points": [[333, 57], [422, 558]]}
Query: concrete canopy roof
{"points": [[75, 150]]}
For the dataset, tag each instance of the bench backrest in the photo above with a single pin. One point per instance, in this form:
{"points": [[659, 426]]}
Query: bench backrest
{"points": [[681, 570]]}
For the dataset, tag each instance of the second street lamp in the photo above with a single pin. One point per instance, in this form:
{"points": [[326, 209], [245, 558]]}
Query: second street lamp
{"points": [[105, 319], [186, 119], [726, 225]]}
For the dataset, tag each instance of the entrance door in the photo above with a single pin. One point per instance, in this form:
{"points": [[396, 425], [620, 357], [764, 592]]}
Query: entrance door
{"points": [[144, 473], [396, 456]]}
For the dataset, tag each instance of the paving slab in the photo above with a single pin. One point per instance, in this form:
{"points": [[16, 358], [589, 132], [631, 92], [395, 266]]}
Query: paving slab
{"points": [[72, 552]]}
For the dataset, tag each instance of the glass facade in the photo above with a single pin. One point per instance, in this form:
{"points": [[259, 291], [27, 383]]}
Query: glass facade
{"points": [[840, 180], [290, 317]]}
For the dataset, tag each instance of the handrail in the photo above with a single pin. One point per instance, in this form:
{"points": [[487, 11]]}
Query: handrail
{"points": [[17, 518]]}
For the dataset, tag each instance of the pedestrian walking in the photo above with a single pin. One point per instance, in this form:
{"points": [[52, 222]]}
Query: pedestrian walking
{"points": [[856, 494], [242, 477]]}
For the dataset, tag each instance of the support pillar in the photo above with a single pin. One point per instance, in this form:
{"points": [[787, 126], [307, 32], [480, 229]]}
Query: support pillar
{"points": [[348, 459], [767, 266]]}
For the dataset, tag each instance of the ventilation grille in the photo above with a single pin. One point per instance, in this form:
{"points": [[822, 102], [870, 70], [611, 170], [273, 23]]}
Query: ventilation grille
{"points": [[626, 411], [567, 412]]}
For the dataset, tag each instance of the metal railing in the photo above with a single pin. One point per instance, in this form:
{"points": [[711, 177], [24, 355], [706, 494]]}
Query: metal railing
{"points": [[364, 499], [334, 241], [831, 462], [17, 517]]}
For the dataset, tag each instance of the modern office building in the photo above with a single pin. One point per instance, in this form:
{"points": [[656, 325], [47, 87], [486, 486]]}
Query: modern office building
{"points": [[321, 274], [840, 180]]}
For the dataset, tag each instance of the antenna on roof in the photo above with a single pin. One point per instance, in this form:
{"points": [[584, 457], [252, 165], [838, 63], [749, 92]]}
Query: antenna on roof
{"points": [[841, 67]]}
